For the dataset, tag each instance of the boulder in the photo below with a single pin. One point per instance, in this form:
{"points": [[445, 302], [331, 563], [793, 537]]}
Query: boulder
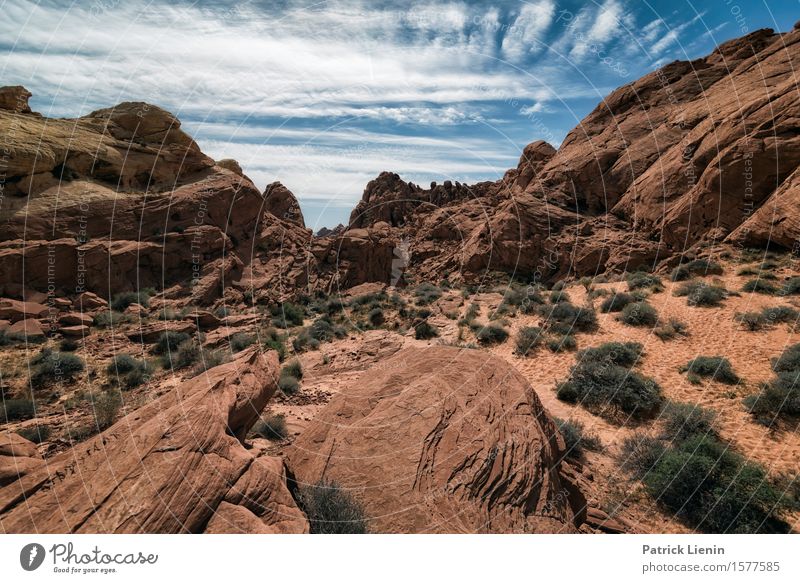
{"points": [[88, 301], [166, 467], [443, 440], [150, 333], [18, 457], [15, 310], [29, 330], [75, 319], [280, 202], [75, 331], [15, 99]]}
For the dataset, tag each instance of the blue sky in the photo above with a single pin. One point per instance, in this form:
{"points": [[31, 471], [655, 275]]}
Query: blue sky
{"points": [[324, 95]]}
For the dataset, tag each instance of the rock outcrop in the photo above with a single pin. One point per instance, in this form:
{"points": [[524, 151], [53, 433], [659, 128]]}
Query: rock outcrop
{"points": [[443, 440], [280, 202], [168, 467]]}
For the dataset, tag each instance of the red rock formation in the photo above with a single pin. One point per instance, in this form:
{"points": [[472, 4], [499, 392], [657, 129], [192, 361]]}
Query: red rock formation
{"points": [[167, 467], [443, 440]]}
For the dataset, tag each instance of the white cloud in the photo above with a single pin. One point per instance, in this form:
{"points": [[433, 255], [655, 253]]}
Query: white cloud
{"points": [[524, 35]]}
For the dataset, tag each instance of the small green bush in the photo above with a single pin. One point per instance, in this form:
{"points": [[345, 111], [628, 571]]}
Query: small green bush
{"points": [[781, 314], [16, 410], [699, 293], [424, 331], [642, 280], [639, 314], [752, 321], [273, 340], [332, 510], [715, 490], [35, 433], [564, 343], [287, 315], [626, 354], [106, 406], [272, 428], [240, 341], [760, 286], [376, 317], [293, 369], [107, 319], [565, 318], [699, 267], [121, 364], [289, 385], [781, 395], [558, 296], [716, 367], [121, 301], [791, 286], [616, 302], [491, 334], [671, 329], [641, 453], [169, 341], [528, 339], [322, 330], [427, 293], [49, 367], [576, 439], [686, 420], [68, 345]]}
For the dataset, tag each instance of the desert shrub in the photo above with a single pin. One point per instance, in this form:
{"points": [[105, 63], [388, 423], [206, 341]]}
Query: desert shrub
{"points": [[699, 293], [791, 286], [528, 339], [714, 489], [747, 271], [716, 367], [272, 428], [671, 329], [335, 306], [699, 267], [68, 345], [751, 321], [424, 331], [599, 381], [562, 343], [107, 319], [376, 317], [625, 354], [273, 340], [565, 318], [240, 341], [121, 364], [121, 301], [559, 295], [642, 280], [491, 334], [615, 302], [685, 420], [760, 286], [639, 314], [16, 410], [472, 312], [576, 438], [209, 359], [49, 367], [332, 510], [169, 341], [780, 314], [289, 385], [185, 355], [640, 453], [788, 361], [35, 433], [427, 293], [287, 315], [106, 406], [167, 313], [293, 369], [221, 312]]}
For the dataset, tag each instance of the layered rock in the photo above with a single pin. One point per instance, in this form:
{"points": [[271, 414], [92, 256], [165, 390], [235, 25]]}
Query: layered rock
{"points": [[168, 467], [280, 202], [443, 440]]}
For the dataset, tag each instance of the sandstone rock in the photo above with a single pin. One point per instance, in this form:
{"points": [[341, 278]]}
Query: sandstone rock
{"points": [[15, 310], [75, 319], [88, 301], [15, 99], [164, 468], [150, 333], [18, 457], [280, 202], [232, 165], [29, 330], [75, 331], [204, 319], [442, 440]]}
